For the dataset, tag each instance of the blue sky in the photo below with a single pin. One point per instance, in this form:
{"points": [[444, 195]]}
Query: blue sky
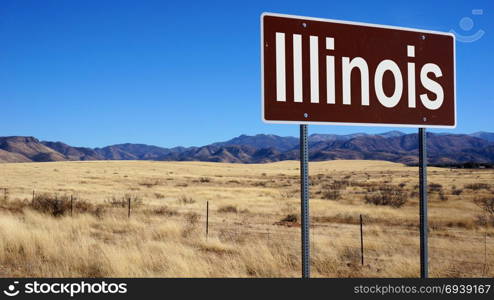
{"points": [[168, 73]]}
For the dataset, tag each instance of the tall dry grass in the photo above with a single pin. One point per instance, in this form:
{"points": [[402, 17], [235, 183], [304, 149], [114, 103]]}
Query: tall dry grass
{"points": [[253, 220]]}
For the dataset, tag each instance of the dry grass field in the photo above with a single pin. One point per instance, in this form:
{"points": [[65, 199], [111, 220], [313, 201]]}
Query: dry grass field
{"points": [[253, 220]]}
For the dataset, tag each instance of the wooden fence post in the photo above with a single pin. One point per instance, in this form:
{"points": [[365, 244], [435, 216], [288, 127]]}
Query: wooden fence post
{"points": [[361, 240], [484, 271], [129, 207], [207, 219]]}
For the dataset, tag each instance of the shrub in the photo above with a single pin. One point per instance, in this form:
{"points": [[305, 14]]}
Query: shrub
{"points": [[387, 195], [414, 194], [435, 187], [293, 218], [116, 202], [456, 192], [442, 197], [331, 195], [478, 186], [186, 200], [486, 204], [124, 201], [350, 255], [339, 184], [4, 196], [50, 204], [204, 179], [484, 220], [286, 195], [150, 183], [59, 205], [159, 195], [228, 209], [99, 211], [191, 219], [164, 211]]}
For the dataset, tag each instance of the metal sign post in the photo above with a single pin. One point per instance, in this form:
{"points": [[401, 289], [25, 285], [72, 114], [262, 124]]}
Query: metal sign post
{"points": [[306, 68], [304, 201], [424, 256]]}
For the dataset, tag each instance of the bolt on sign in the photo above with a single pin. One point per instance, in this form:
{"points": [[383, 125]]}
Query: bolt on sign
{"points": [[317, 71]]}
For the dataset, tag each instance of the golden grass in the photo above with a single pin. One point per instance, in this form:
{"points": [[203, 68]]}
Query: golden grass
{"points": [[165, 236]]}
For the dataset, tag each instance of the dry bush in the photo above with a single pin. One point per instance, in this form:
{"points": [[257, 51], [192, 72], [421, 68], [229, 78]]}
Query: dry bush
{"points": [[159, 195], [186, 200], [149, 183], [442, 197], [350, 255], [228, 209], [292, 218], [387, 195], [59, 205], [456, 192], [162, 211], [435, 187], [363, 184], [191, 222], [50, 204], [204, 179], [331, 195], [192, 218], [286, 195], [229, 236], [478, 186], [339, 184], [16, 207], [484, 220], [116, 202], [4, 194], [486, 204], [135, 200], [124, 201], [375, 187]]}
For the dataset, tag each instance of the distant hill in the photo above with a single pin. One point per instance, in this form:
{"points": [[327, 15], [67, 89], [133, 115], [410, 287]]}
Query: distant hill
{"points": [[390, 146], [27, 149], [484, 135], [262, 141], [74, 153]]}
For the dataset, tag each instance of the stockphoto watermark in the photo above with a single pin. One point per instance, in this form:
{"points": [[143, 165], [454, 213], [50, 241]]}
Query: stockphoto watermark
{"points": [[468, 33], [65, 288]]}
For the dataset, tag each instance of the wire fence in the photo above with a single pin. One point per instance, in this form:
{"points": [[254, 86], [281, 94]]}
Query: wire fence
{"points": [[475, 258]]}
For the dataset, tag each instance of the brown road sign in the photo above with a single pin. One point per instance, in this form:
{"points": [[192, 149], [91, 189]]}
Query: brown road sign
{"points": [[317, 71]]}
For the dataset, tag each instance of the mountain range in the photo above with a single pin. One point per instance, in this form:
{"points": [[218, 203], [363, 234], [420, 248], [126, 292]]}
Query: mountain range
{"points": [[262, 148]]}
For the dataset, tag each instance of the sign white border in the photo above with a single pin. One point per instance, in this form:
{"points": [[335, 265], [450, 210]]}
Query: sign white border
{"points": [[358, 24]]}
